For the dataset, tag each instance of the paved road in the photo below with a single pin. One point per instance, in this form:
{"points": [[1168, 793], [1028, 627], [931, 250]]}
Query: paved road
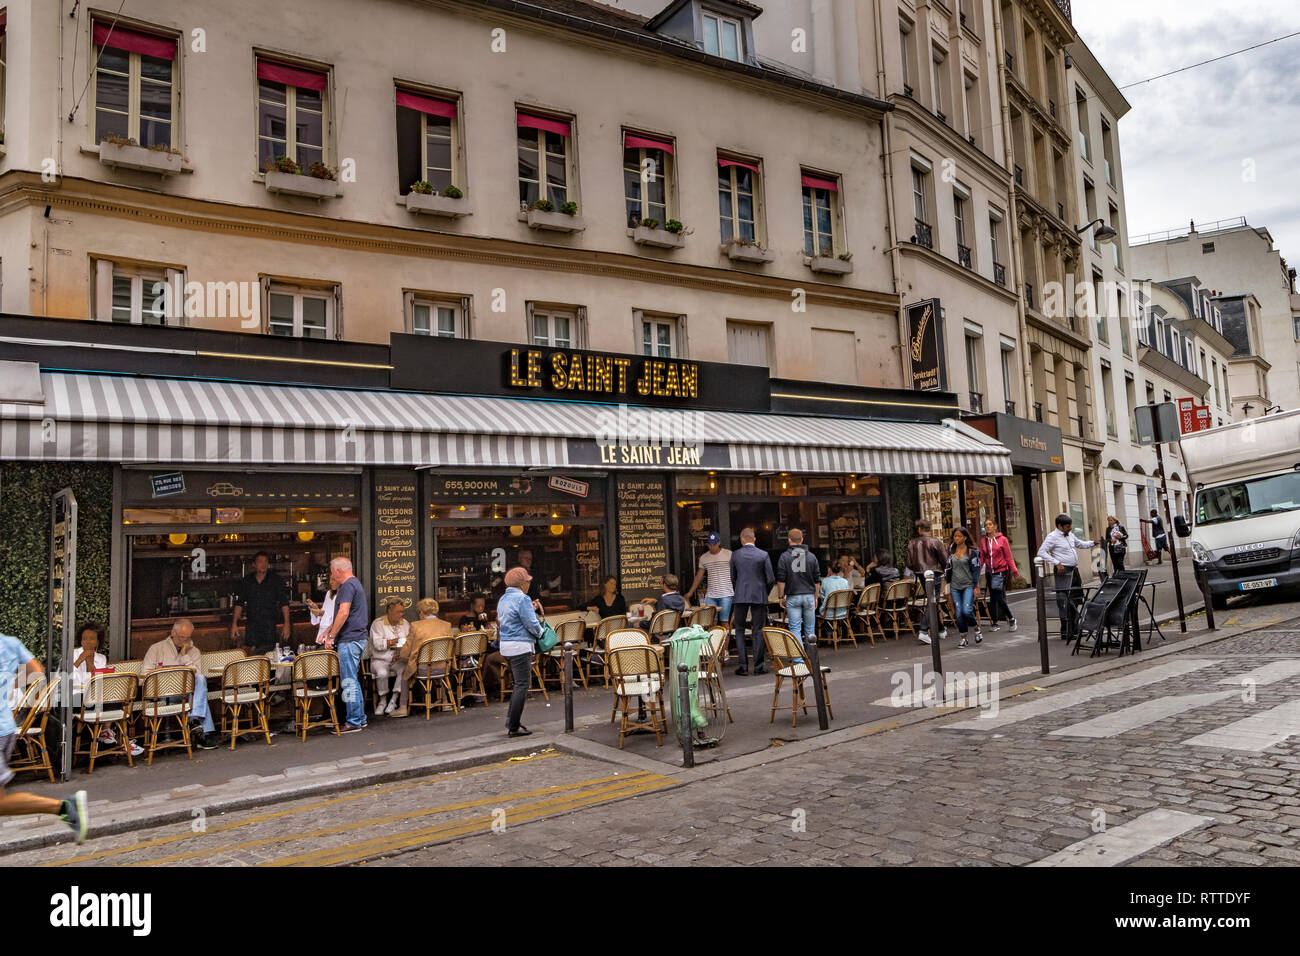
{"points": [[1192, 758]]}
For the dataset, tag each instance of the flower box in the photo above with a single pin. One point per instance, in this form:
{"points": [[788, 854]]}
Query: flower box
{"points": [[295, 184], [157, 161], [658, 237], [829, 265], [737, 252], [554, 221], [430, 205]]}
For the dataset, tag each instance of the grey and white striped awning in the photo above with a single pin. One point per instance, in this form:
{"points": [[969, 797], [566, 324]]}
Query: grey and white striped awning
{"points": [[130, 419]]}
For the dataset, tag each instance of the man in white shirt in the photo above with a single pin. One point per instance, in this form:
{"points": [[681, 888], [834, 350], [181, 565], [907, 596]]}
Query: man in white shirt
{"points": [[1058, 551]]}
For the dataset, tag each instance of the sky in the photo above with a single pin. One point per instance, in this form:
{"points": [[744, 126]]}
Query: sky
{"points": [[1216, 142]]}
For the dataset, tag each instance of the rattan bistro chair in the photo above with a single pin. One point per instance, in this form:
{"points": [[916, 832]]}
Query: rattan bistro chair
{"points": [[471, 648], [866, 614], [596, 653], [702, 616], [635, 671], [663, 624], [571, 631], [896, 608], [107, 702], [31, 750], [834, 619], [167, 694], [435, 663], [711, 664], [535, 682], [315, 677], [244, 689], [788, 665]]}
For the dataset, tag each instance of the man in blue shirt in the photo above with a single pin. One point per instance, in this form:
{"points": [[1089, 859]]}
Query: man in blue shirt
{"points": [[349, 631], [13, 659], [519, 629]]}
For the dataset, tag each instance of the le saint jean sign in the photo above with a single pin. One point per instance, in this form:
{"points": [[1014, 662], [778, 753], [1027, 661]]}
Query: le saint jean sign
{"points": [[589, 373]]}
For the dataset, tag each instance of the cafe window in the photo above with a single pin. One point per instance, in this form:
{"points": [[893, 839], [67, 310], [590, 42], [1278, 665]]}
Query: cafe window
{"points": [[439, 316], [135, 85], [555, 327]]}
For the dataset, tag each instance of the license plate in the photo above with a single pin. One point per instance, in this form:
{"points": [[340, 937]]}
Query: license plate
{"points": [[1256, 585]]}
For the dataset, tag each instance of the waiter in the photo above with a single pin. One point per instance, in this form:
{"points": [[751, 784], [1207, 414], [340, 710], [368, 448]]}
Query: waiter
{"points": [[1059, 551], [263, 600]]}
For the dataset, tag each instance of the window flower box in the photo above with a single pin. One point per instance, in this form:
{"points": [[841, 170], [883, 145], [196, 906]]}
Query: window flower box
{"points": [[430, 205], [553, 221], [297, 184], [658, 237], [160, 162], [739, 252], [829, 265]]}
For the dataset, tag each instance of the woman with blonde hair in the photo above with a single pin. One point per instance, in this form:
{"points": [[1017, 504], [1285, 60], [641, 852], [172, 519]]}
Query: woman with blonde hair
{"points": [[388, 637]]}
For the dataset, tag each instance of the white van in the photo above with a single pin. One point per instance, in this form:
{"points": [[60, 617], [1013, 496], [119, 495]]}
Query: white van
{"points": [[1246, 521]]}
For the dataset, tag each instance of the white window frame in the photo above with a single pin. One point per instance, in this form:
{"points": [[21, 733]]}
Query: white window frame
{"points": [[454, 149], [144, 292], [920, 186], [970, 89], [570, 164], [657, 321], [996, 218], [808, 196], [756, 197], [459, 305], [765, 331], [974, 358], [577, 318], [668, 173], [330, 296], [960, 202], [939, 57], [135, 80], [1007, 353], [290, 119], [710, 20], [4, 77], [906, 33]]}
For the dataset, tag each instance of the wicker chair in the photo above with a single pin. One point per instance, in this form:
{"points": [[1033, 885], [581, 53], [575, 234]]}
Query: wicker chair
{"points": [[702, 616], [315, 677], [31, 750], [167, 694], [636, 678], [788, 664], [866, 614], [570, 631], [471, 649], [505, 679], [834, 619], [663, 624], [595, 654], [711, 669], [107, 702], [435, 664], [245, 684], [896, 608]]}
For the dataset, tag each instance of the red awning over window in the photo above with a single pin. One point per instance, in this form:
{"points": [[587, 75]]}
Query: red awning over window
{"points": [[133, 41], [735, 162], [426, 104], [818, 183], [529, 121], [632, 141], [290, 75]]}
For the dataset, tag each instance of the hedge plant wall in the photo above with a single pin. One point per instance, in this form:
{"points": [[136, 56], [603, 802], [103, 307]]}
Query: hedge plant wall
{"points": [[25, 492], [904, 509]]}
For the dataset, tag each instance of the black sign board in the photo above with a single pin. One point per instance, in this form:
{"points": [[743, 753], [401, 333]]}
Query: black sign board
{"points": [[1157, 423], [240, 489], [641, 505], [395, 527], [615, 454], [454, 487], [472, 367], [925, 346], [1033, 445]]}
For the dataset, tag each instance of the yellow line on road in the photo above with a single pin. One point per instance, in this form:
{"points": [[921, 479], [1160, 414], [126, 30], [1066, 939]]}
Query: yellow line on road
{"points": [[357, 852], [163, 841]]}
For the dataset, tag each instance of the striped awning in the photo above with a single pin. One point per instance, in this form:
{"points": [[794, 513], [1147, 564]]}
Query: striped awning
{"points": [[130, 419]]}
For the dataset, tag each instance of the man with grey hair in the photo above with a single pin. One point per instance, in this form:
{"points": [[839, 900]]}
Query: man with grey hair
{"points": [[178, 650], [752, 577], [349, 631]]}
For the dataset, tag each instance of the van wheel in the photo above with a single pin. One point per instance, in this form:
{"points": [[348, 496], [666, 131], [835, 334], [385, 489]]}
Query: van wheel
{"points": [[1219, 602]]}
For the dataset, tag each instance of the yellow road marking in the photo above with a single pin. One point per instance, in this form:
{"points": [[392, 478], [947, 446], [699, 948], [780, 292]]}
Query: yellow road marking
{"points": [[357, 852], [163, 841], [370, 822], [881, 728]]}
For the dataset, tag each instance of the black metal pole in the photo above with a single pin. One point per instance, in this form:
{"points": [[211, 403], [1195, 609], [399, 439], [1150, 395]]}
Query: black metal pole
{"points": [[1171, 539], [1203, 579], [932, 612], [815, 670], [687, 730], [568, 687], [1040, 599]]}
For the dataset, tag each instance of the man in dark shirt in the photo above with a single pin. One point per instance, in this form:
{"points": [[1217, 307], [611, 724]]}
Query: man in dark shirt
{"points": [[1159, 539], [348, 635], [264, 602], [752, 577], [798, 586], [535, 590]]}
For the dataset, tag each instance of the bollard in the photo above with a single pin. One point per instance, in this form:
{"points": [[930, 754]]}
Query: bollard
{"points": [[568, 687], [815, 670], [932, 613], [1040, 599], [684, 716], [1205, 594]]}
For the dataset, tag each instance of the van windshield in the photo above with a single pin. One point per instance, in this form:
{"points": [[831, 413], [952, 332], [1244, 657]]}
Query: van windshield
{"points": [[1245, 499]]}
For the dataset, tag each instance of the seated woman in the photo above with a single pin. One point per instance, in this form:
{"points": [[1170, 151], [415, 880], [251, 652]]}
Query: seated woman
{"points": [[610, 601], [424, 630], [849, 569], [477, 618], [388, 636], [831, 583], [881, 570], [90, 636]]}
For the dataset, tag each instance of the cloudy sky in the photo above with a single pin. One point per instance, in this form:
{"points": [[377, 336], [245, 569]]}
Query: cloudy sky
{"points": [[1191, 141]]}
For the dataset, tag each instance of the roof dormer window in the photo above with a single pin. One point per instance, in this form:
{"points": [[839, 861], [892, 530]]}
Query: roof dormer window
{"points": [[723, 36]]}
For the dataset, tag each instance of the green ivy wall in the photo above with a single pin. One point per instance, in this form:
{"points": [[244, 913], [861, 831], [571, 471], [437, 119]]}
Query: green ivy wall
{"points": [[904, 509], [25, 492]]}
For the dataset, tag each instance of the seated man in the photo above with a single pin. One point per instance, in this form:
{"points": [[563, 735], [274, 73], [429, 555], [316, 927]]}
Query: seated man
{"points": [[835, 581], [670, 600], [178, 650]]}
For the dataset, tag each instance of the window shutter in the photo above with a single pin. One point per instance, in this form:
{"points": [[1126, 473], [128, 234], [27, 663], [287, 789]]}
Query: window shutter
{"points": [[175, 296], [408, 310], [265, 282], [338, 312], [528, 318], [682, 351], [103, 290], [580, 336], [464, 318]]}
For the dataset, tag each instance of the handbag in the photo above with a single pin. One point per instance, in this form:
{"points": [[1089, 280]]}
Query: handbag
{"points": [[998, 581], [548, 640]]}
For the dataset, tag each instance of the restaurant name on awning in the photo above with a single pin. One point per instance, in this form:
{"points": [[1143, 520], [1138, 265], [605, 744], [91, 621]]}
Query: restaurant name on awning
{"points": [[585, 373]]}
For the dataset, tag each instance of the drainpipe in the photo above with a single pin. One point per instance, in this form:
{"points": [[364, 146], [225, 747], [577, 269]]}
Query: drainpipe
{"points": [[895, 256]]}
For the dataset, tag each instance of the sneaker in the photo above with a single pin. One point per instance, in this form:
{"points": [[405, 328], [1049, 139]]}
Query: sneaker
{"points": [[107, 736], [923, 638], [943, 635], [74, 814], [1014, 625], [392, 705], [136, 749], [202, 741], [352, 728], [979, 638], [995, 628], [962, 643], [401, 712]]}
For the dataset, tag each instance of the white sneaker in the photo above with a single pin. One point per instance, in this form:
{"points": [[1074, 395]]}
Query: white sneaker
{"points": [[1014, 625], [923, 638], [979, 637], [392, 705], [136, 749], [107, 737], [943, 635], [995, 628]]}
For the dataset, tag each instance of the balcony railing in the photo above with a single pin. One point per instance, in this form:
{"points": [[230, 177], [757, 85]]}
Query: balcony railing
{"points": [[1064, 7], [1038, 412], [1020, 175], [907, 90], [1051, 108], [1029, 295], [1060, 210], [1011, 62], [1000, 274], [1080, 428], [963, 255], [977, 401], [942, 118], [924, 235], [1011, 408]]}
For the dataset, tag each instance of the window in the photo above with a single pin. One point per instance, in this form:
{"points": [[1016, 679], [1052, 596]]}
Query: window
{"points": [[1090, 206], [737, 208], [1121, 314], [1130, 394], [1107, 150], [905, 35], [545, 159], [974, 367], [138, 294], [428, 141], [290, 114], [940, 58], [918, 193], [1108, 401], [4, 60], [1081, 101], [960, 211], [820, 212], [1207, 248], [134, 85], [556, 327], [747, 344], [660, 335], [1113, 222], [971, 105], [647, 178], [1009, 375], [723, 37], [441, 317], [305, 313]]}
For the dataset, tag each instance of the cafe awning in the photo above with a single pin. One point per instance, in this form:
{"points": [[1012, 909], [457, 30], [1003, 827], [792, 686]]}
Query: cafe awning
{"points": [[136, 419]]}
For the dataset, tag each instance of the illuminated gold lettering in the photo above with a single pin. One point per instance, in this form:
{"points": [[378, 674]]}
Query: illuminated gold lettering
{"points": [[515, 380], [672, 383], [690, 381], [558, 379], [600, 373], [577, 382], [621, 364], [534, 368]]}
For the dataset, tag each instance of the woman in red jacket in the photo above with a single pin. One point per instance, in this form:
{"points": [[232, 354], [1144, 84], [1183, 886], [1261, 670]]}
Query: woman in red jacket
{"points": [[995, 556]]}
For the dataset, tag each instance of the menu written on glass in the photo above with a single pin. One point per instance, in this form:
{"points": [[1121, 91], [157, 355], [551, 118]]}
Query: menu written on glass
{"points": [[396, 526], [642, 536]]}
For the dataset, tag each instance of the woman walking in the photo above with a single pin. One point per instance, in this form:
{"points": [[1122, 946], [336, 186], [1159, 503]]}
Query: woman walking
{"points": [[963, 575], [1000, 564], [1116, 543], [520, 629]]}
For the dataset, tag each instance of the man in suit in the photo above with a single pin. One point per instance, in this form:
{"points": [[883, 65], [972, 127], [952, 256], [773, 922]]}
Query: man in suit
{"points": [[752, 579]]}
